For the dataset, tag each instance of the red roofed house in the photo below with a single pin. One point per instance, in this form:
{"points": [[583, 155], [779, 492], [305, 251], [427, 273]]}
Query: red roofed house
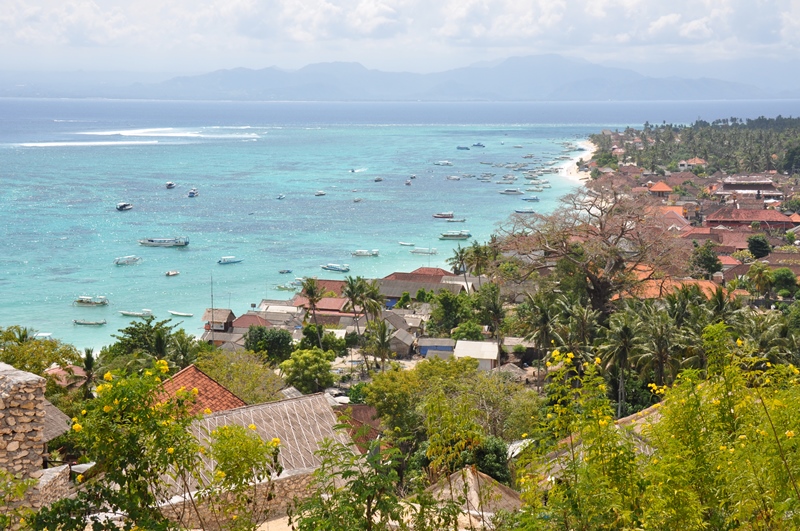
{"points": [[243, 323], [210, 394], [421, 274], [734, 217], [660, 189]]}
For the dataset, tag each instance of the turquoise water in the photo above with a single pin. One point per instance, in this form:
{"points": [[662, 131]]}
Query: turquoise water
{"points": [[65, 164]]}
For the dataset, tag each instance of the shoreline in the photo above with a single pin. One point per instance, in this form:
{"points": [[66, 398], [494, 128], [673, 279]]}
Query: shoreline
{"points": [[571, 171]]}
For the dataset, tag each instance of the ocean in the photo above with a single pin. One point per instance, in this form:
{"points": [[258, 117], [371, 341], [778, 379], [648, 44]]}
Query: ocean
{"points": [[65, 164]]}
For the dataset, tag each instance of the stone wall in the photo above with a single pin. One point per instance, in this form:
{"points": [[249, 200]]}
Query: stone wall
{"points": [[287, 487], [54, 484], [21, 421]]}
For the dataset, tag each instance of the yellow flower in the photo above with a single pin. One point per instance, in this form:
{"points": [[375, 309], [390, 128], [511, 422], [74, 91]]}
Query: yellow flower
{"points": [[789, 434], [549, 415], [743, 436], [276, 441], [570, 355], [597, 361], [107, 408], [83, 411], [195, 391], [769, 364], [252, 427], [739, 342], [170, 450], [207, 411], [77, 427], [79, 479], [524, 435], [108, 376], [148, 373], [603, 423], [234, 517], [220, 474], [547, 364]]}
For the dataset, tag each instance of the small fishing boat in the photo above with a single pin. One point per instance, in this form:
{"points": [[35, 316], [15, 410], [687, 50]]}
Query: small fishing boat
{"points": [[357, 200], [443, 215], [406, 244], [281, 196], [285, 271], [453, 178], [512, 191], [408, 182], [127, 260], [478, 144], [424, 250], [533, 198], [457, 220], [287, 287], [339, 268], [170, 185], [124, 206], [365, 252], [144, 313], [181, 314], [525, 211], [319, 193], [455, 235], [173, 273], [84, 322], [463, 148], [181, 241], [443, 163], [193, 192], [225, 260], [85, 300], [378, 179]]}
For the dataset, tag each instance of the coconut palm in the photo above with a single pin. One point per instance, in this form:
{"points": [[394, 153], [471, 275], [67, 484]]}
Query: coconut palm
{"points": [[539, 318], [659, 339], [760, 275], [576, 326], [622, 344], [478, 260], [373, 301], [313, 294], [354, 290], [459, 263], [379, 341]]}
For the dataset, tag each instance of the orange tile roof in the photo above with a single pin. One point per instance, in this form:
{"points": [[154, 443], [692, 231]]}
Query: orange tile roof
{"points": [[795, 217], [210, 394], [728, 260], [661, 186], [250, 319], [326, 304], [657, 288], [696, 160]]}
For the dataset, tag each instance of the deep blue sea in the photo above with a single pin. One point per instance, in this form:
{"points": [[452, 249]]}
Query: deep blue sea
{"points": [[65, 164]]}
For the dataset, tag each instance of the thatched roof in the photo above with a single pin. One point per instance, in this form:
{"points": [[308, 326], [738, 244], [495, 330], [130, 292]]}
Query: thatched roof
{"points": [[483, 494], [55, 422]]}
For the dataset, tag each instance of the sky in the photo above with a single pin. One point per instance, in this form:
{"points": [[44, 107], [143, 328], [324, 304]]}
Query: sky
{"points": [[195, 36]]}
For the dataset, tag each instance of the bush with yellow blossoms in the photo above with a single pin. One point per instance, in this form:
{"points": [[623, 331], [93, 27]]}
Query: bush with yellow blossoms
{"points": [[143, 448]]}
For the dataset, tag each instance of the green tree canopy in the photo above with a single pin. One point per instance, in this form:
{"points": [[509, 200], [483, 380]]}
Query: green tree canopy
{"points": [[242, 373], [272, 344], [309, 370], [758, 246], [704, 261]]}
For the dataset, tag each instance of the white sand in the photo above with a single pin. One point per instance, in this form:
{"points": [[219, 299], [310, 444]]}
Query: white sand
{"points": [[570, 169]]}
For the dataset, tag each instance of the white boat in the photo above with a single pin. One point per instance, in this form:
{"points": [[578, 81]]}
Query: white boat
{"points": [[533, 198], [170, 185], [378, 179], [424, 250], [124, 206], [365, 252], [173, 273], [88, 323], [193, 192], [287, 287], [512, 191], [85, 300], [127, 260], [455, 235], [458, 220], [339, 268], [357, 200], [181, 314], [443, 215], [319, 193], [281, 196], [453, 178], [181, 241], [144, 313], [407, 244], [443, 163], [408, 182], [229, 260]]}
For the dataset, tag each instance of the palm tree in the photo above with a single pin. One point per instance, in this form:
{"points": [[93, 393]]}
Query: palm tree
{"points": [[539, 317], [354, 290], [477, 260], [760, 275], [379, 342], [183, 349], [313, 293], [490, 307], [621, 345], [373, 301], [88, 369], [458, 263], [576, 326], [658, 344]]}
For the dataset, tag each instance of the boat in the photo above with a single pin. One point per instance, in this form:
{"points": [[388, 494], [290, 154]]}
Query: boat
{"points": [[193, 192], [285, 271], [287, 287], [229, 260], [124, 206], [443, 163], [170, 185], [424, 250], [457, 220], [406, 244], [443, 215], [180, 241], [357, 200], [127, 260], [281, 196], [319, 193], [463, 148], [85, 300], [512, 191], [88, 323], [533, 198], [408, 182], [455, 235], [378, 179], [478, 144], [181, 314], [525, 211], [173, 273], [413, 176], [339, 268], [365, 252], [453, 178], [144, 313]]}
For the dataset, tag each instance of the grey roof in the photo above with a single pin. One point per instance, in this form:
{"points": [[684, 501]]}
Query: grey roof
{"points": [[290, 392], [396, 288], [55, 422], [436, 342], [478, 493], [396, 321], [404, 336]]}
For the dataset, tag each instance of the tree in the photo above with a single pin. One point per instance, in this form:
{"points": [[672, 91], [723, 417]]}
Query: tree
{"points": [[760, 275], [313, 294], [448, 310], [621, 346], [21, 350], [758, 246], [272, 344], [242, 373], [469, 331], [183, 349], [354, 290], [621, 243], [379, 341], [459, 262], [309, 370], [704, 261], [784, 279]]}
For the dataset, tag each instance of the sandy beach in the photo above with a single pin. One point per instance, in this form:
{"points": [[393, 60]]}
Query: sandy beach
{"points": [[570, 170]]}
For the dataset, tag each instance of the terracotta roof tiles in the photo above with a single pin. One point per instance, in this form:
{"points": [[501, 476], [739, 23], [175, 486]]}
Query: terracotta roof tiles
{"points": [[211, 395]]}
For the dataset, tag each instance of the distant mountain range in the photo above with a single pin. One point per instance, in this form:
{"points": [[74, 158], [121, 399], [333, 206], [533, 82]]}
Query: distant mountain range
{"points": [[532, 78]]}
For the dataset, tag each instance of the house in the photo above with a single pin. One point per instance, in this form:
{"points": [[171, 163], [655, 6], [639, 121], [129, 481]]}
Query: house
{"points": [[660, 189], [392, 290], [219, 327], [402, 343], [690, 164], [735, 217], [480, 497], [439, 347], [210, 394], [486, 352], [738, 187]]}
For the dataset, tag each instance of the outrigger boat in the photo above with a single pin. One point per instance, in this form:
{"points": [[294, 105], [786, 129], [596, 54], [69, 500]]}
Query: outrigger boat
{"points": [[85, 300], [144, 313], [181, 314], [89, 323]]}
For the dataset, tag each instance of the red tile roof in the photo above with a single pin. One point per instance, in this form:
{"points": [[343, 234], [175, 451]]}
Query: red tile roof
{"points": [[210, 394], [327, 304], [250, 319], [696, 161], [728, 260], [661, 186], [745, 215]]}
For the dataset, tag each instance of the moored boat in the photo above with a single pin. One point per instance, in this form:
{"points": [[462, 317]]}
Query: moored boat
{"points": [[478, 144], [180, 314], [424, 250], [407, 244], [180, 241], [193, 192], [533, 198], [339, 268], [84, 322], [170, 185], [443, 163], [173, 273], [127, 260], [457, 220], [229, 260], [463, 148], [85, 300], [124, 206], [525, 211], [455, 235], [443, 215], [285, 271], [144, 313], [512, 191], [366, 252], [281, 196], [319, 193], [378, 179]]}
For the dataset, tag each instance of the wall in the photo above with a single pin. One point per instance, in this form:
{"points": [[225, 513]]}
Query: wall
{"points": [[21, 421]]}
